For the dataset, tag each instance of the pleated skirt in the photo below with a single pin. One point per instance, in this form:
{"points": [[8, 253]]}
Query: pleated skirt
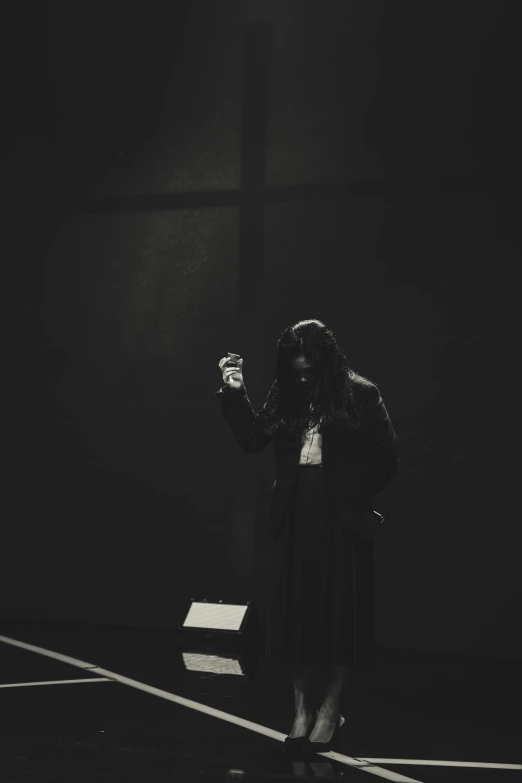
{"points": [[321, 584]]}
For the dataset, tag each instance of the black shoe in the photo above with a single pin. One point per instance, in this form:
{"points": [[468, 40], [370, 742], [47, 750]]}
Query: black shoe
{"points": [[294, 744], [308, 748]]}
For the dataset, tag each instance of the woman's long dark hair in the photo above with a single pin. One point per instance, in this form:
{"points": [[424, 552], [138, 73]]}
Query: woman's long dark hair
{"points": [[291, 410]]}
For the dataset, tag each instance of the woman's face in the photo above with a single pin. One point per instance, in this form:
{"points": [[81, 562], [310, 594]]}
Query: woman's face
{"points": [[302, 373]]}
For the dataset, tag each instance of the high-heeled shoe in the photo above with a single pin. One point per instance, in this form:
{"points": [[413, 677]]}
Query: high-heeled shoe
{"points": [[308, 748], [294, 744]]}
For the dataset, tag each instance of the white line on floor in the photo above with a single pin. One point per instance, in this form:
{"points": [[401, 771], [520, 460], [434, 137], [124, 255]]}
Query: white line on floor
{"points": [[53, 682], [366, 765], [48, 653], [436, 763]]}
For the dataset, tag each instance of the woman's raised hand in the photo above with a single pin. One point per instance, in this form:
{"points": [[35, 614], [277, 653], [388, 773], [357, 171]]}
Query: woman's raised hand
{"points": [[232, 376]]}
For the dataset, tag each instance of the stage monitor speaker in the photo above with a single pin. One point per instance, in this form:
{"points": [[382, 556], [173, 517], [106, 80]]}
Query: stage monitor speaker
{"points": [[220, 624]]}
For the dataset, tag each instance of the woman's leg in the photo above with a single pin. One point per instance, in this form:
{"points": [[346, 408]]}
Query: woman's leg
{"points": [[305, 709], [328, 715]]}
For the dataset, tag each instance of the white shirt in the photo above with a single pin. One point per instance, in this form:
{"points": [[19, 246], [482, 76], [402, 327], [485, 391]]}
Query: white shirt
{"points": [[312, 451]]}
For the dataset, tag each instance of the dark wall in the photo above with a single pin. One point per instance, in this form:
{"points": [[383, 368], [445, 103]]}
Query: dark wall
{"points": [[392, 196]]}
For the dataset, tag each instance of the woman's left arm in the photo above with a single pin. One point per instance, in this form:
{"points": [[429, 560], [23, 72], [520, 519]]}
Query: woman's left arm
{"points": [[380, 442]]}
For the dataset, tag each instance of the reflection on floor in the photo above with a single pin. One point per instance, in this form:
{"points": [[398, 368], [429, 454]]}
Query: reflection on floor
{"points": [[151, 710]]}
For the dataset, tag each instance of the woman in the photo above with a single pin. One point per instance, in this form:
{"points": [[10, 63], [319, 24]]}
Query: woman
{"points": [[335, 448]]}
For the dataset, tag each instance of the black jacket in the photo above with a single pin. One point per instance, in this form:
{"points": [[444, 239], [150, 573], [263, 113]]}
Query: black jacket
{"points": [[357, 464]]}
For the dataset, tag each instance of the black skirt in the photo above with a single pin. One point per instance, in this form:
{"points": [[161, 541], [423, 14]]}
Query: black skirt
{"points": [[321, 586]]}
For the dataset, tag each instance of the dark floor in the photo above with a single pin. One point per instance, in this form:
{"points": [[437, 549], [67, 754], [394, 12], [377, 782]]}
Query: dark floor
{"points": [[414, 707]]}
